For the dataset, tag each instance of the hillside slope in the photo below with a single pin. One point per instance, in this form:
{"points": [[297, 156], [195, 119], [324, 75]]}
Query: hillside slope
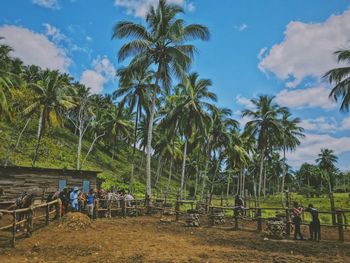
{"points": [[59, 151]]}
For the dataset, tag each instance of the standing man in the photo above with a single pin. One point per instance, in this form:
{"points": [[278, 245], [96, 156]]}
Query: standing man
{"points": [[297, 211], [74, 199], [315, 225], [90, 201]]}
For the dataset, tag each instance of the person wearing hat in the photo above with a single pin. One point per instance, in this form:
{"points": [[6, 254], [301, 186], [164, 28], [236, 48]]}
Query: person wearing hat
{"points": [[74, 199]]}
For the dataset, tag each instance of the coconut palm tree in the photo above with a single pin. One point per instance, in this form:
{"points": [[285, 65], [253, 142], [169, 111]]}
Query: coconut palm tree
{"points": [[51, 94], [5, 78], [341, 78], [290, 138], [326, 162], [160, 45], [265, 126], [190, 113]]}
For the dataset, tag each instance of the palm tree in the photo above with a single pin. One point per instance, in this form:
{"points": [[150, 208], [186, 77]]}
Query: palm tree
{"points": [[265, 126], [326, 162], [161, 45], [291, 133], [5, 78], [190, 113], [51, 94], [341, 78]]}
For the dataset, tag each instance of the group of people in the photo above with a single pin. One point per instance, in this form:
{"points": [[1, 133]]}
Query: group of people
{"points": [[314, 227]]}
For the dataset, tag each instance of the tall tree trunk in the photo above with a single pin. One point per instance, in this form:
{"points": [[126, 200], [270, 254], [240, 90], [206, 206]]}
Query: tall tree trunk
{"points": [[284, 171], [183, 169], [39, 135], [80, 143], [131, 181], [21, 133], [228, 189], [169, 178], [158, 171], [243, 181], [96, 137], [196, 184], [149, 143], [265, 178], [261, 172]]}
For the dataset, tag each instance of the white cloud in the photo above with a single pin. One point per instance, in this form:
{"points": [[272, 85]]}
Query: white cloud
{"points": [[345, 125], [307, 49], [241, 27], [312, 144], [51, 4], [261, 53], [88, 38], [34, 48], [315, 97], [103, 71], [190, 7], [140, 8], [54, 33], [321, 125], [244, 102]]}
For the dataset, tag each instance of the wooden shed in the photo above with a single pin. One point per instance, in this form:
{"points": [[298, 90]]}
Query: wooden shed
{"points": [[15, 180]]}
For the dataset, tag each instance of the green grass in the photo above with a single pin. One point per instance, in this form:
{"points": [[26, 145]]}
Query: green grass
{"points": [[58, 150]]}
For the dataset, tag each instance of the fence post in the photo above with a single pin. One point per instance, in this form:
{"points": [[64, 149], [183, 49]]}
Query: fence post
{"points": [[211, 216], [124, 207], [13, 241], [287, 213], [177, 210], [331, 199], [96, 207], [47, 217], [259, 220], [59, 210], [340, 225], [206, 203], [30, 221], [236, 218]]}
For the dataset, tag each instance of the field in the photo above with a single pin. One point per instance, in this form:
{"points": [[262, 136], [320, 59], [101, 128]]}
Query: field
{"points": [[146, 239]]}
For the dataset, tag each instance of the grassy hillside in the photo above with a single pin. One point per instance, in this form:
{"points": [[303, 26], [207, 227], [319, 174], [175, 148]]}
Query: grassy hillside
{"points": [[58, 150]]}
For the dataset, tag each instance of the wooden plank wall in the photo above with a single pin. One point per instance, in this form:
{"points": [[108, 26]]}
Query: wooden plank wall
{"points": [[40, 182]]}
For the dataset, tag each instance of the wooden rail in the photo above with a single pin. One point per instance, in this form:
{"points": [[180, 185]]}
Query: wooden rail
{"points": [[28, 217]]}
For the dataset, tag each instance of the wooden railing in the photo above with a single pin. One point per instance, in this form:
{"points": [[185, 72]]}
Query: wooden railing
{"points": [[29, 217]]}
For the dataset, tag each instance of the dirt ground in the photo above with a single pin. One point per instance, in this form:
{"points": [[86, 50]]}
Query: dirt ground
{"points": [[146, 239]]}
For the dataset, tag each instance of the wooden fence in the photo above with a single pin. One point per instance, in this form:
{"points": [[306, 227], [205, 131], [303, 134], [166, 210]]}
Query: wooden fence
{"points": [[27, 217]]}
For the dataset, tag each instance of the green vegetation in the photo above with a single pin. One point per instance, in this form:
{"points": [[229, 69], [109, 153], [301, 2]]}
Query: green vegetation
{"points": [[161, 129]]}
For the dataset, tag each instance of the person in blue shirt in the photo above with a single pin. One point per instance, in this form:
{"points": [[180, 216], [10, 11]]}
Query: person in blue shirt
{"points": [[74, 199], [90, 201]]}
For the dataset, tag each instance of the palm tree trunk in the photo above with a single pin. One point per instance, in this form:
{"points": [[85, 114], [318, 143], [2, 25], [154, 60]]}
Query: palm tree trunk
{"points": [[243, 181], [169, 178], [131, 181], [228, 189], [196, 184], [158, 171], [149, 143], [39, 135], [284, 169], [183, 169], [265, 178], [261, 172]]}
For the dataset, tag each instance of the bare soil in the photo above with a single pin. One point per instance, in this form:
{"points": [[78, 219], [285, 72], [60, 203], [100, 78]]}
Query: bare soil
{"points": [[147, 239]]}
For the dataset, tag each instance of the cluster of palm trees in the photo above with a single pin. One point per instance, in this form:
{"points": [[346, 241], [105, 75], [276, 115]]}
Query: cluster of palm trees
{"points": [[162, 109]]}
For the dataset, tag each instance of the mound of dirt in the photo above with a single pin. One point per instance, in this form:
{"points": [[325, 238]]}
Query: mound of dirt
{"points": [[75, 221]]}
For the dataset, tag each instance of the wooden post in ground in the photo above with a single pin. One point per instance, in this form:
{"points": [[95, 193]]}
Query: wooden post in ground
{"points": [[47, 216], [124, 208], [259, 220], [13, 241], [235, 211], [287, 213], [177, 210], [340, 225], [211, 216], [331, 199], [96, 208], [59, 210], [206, 203]]}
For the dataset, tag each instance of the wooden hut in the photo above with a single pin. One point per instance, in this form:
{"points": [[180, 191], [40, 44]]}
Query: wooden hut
{"points": [[15, 180]]}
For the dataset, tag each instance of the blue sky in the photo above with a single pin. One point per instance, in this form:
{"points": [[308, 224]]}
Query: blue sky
{"points": [[272, 47]]}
